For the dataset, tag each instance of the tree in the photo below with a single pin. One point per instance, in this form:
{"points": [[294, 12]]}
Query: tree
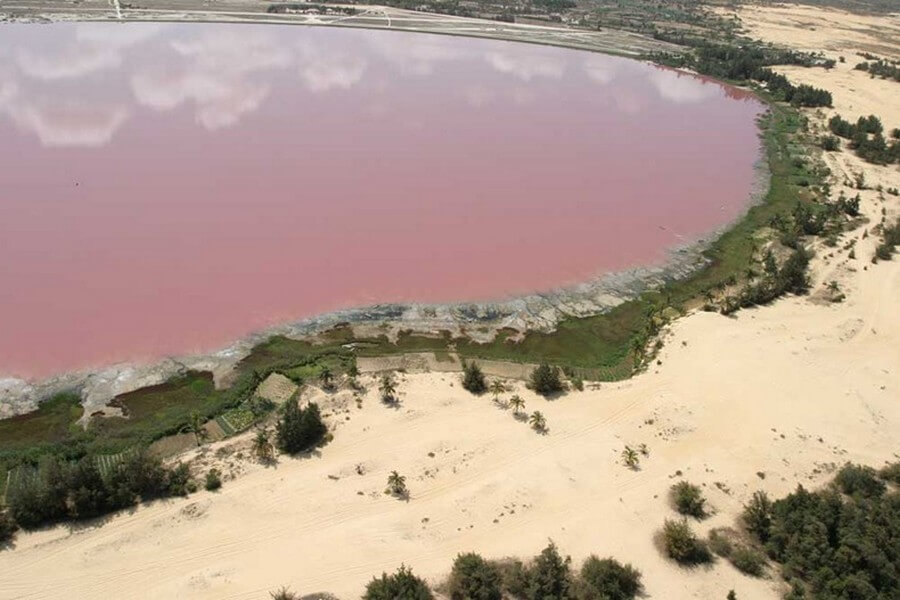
{"points": [[262, 446], [537, 421], [545, 380], [607, 579], [8, 527], [213, 480], [858, 479], [326, 377], [757, 515], [299, 429], [688, 499], [473, 378], [517, 403], [89, 496], [497, 388], [473, 578], [682, 545], [731, 595], [548, 577], [630, 458], [397, 485], [195, 426], [388, 388], [402, 585]]}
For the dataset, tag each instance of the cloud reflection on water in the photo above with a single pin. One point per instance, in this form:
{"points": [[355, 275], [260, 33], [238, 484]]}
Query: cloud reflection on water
{"points": [[227, 73]]}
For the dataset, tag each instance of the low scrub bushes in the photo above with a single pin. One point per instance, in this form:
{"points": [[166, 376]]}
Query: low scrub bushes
{"points": [[548, 576], [59, 490], [688, 499], [838, 543], [682, 545], [859, 480]]}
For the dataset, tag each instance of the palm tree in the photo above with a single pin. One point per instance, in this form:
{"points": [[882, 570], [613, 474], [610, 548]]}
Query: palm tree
{"points": [[397, 484], [538, 422], [631, 458], [262, 446], [497, 388], [195, 426], [388, 388], [517, 403], [326, 377]]}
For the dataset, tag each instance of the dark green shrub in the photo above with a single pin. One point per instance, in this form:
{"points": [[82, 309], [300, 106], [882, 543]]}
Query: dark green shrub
{"points": [[179, 482], [299, 429], [548, 576], [213, 480], [8, 527], [757, 515], [514, 576], [402, 585], [891, 473], [841, 547], [688, 499], [682, 545], [473, 378], [607, 579], [545, 380], [747, 560], [857, 479], [474, 578], [830, 143]]}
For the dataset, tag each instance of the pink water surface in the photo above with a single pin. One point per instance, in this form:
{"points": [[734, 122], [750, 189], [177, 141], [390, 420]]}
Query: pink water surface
{"points": [[165, 189]]}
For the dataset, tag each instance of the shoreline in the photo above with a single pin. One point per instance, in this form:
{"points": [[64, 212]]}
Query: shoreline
{"points": [[538, 311]]}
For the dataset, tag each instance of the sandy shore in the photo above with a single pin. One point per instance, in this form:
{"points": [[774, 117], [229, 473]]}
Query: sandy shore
{"points": [[772, 397]]}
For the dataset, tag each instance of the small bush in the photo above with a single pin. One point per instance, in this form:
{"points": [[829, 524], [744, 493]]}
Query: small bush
{"points": [[747, 560], [473, 378], [859, 480], [474, 578], [607, 579], [688, 499], [891, 473], [545, 380], [213, 480], [720, 543], [682, 545], [402, 585]]}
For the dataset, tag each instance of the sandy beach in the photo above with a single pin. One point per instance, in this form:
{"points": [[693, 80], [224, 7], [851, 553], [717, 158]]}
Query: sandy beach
{"points": [[766, 399]]}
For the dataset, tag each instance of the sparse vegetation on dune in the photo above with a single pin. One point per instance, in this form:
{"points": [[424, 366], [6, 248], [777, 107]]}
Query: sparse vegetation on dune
{"points": [[548, 576]]}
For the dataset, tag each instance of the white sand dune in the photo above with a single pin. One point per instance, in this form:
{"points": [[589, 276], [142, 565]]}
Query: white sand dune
{"points": [[775, 396]]}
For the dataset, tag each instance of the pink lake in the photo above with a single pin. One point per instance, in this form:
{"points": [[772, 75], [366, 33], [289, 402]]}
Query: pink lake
{"points": [[165, 189]]}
